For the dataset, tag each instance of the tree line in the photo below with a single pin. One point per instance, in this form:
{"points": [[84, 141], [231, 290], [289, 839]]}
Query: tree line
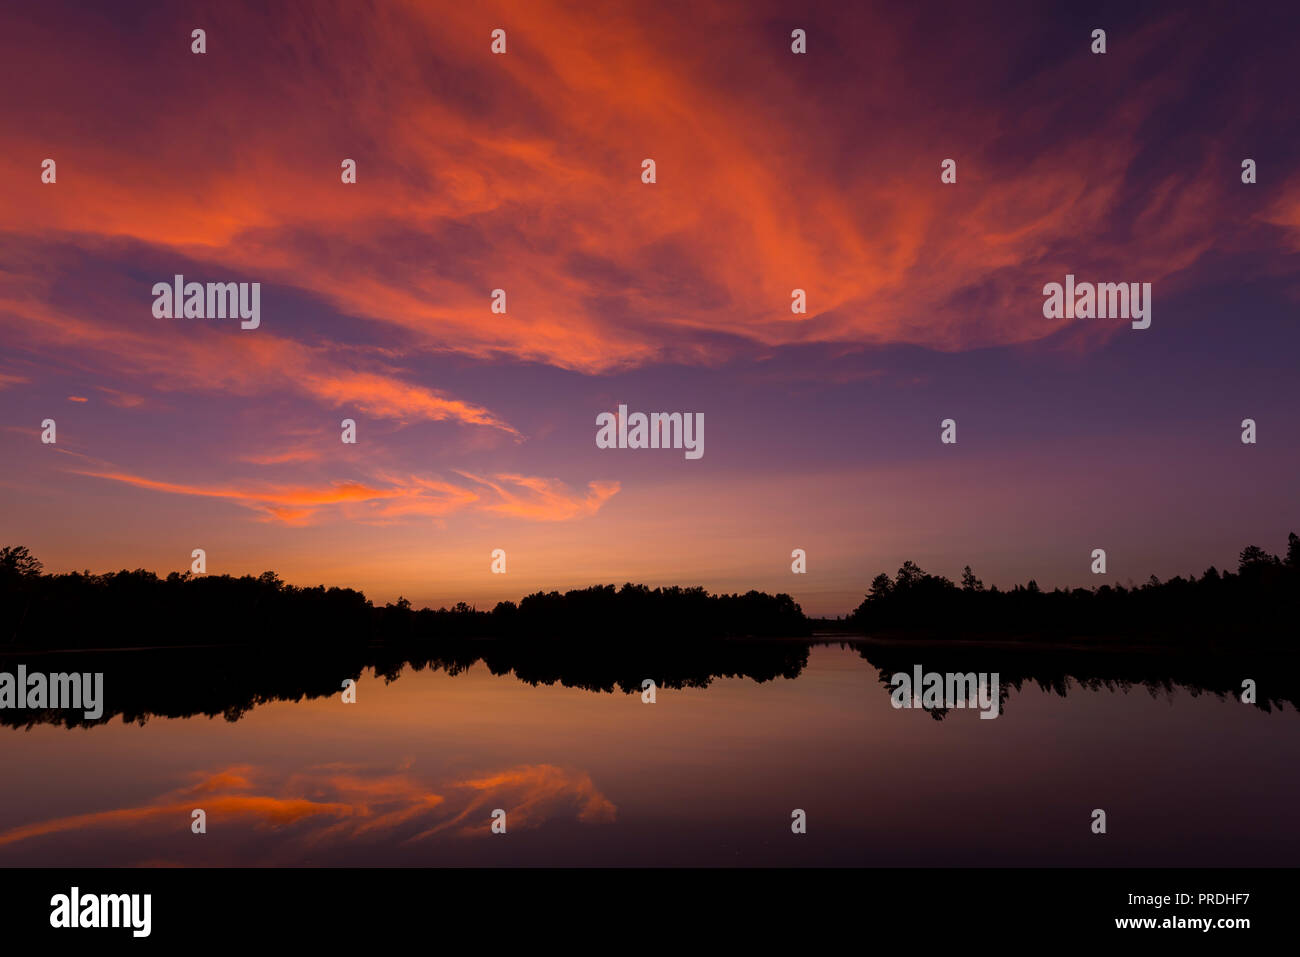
{"points": [[1259, 602], [140, 609]]}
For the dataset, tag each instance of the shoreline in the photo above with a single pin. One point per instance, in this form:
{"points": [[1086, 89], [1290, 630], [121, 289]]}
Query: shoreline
{"points": [[1109, 644]]}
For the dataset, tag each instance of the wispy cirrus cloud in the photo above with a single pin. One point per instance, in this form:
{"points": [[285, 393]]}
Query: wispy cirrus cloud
{"points": [[199, 360], [120, 399], [543, 499], [291, 454], [488, 177], [390, 499]]}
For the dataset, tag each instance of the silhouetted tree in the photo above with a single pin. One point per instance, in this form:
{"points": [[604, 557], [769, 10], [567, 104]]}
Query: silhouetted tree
{"points": [[16, 560], [1252, 556], [909, 574]]}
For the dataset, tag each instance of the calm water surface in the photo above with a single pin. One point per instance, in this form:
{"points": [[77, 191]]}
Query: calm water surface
{"points": [[411, 773]]}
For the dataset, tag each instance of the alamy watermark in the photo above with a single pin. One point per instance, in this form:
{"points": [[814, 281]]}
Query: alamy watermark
{"points": [[932, 690], [78, 691], [1106, 300], [658, 430], [215, 300], [74, 910]]}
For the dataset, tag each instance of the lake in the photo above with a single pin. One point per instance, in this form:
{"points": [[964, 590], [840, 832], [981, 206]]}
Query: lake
{"points": [[411, 774]]}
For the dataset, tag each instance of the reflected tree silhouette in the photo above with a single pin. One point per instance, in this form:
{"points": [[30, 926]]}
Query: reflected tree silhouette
{"points": [[188, 645]]}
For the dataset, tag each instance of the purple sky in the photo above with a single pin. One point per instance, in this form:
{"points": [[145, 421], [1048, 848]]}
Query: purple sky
{"points": [[775, 171]]}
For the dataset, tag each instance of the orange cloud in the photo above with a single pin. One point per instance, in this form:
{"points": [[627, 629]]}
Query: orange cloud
{"points": [[542, 499], [249, 364], [388, 398], [123, 400], [302, 453], [522, 172]]}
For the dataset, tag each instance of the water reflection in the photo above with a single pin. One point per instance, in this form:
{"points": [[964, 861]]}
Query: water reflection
{"points": [[410, 774], [336, 804], [179, 683]]}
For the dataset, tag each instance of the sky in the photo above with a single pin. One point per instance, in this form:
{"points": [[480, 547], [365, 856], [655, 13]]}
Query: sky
{"points": [[523, 171]]}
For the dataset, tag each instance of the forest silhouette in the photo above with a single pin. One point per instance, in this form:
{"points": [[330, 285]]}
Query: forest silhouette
{"points": [[1259, 604], [139, 609], [233, 643]]}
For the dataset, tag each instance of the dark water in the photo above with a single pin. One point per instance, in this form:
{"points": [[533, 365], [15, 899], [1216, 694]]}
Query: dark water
{"points": [[411, 773]]}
